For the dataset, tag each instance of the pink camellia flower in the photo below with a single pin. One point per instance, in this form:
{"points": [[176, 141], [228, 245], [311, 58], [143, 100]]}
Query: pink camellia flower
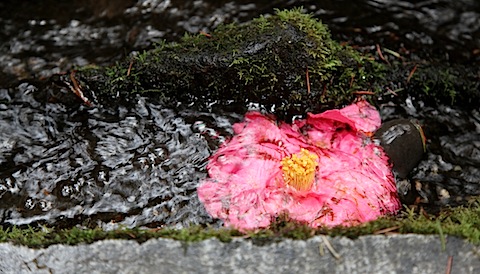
{"points": [[323, 170]]}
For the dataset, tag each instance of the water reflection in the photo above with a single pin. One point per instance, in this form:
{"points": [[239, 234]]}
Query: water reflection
{"points": [[145, 160], [140, 164]]}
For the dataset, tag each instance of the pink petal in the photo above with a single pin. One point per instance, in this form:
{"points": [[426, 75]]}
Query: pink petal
{"points": [[364, 115], [250, 196], [334, 115], [353, 183]]}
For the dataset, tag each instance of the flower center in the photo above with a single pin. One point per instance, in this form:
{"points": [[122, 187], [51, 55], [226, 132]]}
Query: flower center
{"points": [[299, 169]]}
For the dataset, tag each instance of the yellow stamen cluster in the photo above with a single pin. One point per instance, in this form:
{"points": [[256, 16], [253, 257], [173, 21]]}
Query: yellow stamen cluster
{"points": [[299, 169]]}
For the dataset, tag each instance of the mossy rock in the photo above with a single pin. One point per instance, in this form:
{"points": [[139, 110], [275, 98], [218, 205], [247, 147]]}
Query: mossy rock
{"points": [[265, 61], [286, 62]]}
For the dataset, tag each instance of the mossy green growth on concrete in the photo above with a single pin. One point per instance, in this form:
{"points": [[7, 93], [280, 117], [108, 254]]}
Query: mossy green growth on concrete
{"points": [[463, 221], [287, 60]]}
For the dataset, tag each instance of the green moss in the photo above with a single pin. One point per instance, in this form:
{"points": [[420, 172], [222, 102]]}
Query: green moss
{"points": [[266, 61], [263, 61], [44, 236], [461, 221], [448, 83]]}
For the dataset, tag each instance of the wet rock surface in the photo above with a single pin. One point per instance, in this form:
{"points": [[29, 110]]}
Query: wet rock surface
{"points": [[139, 164], [368, 254]]}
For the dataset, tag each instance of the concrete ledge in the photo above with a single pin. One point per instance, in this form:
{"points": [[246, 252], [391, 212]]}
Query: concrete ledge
{"points": [[367, 254]]}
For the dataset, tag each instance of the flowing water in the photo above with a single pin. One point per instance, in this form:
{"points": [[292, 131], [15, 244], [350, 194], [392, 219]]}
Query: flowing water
{"points": [[139, 164]]}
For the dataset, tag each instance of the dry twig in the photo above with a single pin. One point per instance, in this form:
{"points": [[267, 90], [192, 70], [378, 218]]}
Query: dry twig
{"points": [[308, 81], [129, 68], [380, 54], [330, 248], [449, 265], [387, 230], [77, 89], [364, 92], [411, 73]]}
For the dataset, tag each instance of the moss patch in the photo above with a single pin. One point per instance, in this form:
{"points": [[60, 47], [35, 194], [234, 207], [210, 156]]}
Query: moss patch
{"points": [[287, 62], [266, 61], [461, 221]]}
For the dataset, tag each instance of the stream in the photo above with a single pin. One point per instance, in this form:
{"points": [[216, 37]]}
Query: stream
{"points": [[139, 164]]}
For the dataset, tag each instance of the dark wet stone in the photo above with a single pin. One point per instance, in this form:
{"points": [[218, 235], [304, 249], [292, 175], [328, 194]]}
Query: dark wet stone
{"points": [[404, 143]]}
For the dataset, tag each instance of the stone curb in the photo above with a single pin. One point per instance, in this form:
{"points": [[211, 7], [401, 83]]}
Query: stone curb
{"points": [[368, 254]]}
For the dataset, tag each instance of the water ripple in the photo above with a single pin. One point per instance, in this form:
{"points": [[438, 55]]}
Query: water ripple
{"points": [[143, 161]]}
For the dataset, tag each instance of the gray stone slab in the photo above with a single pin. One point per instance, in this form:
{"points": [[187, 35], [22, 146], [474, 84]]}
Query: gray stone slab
{"points": [[367, 254]]}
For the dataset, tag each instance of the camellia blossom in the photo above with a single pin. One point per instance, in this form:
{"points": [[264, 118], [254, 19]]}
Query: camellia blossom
{"points": [[323, 170]]}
